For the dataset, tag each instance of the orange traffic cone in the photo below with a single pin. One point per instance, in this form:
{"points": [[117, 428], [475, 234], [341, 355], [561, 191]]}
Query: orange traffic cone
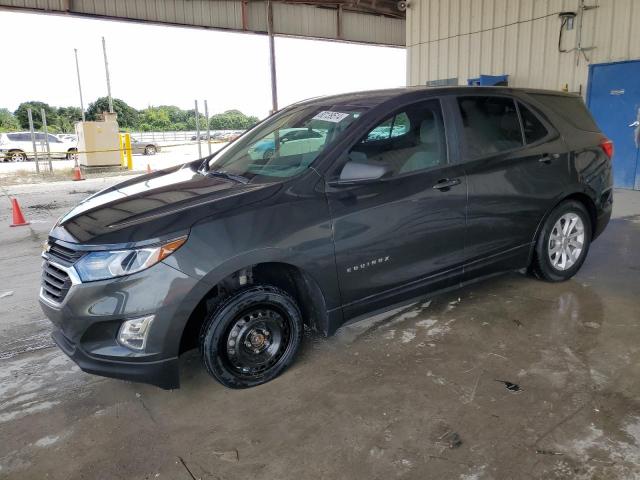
{"points": [[18, 217], [149, 167], [77, 174]]}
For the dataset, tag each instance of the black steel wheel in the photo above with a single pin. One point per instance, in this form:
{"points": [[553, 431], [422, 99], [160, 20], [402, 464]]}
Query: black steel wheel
{"points": [[251, 337]]}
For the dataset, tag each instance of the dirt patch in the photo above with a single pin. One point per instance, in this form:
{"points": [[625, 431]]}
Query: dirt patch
{"points": [[22, 176], [83, 192], [45, 206]]}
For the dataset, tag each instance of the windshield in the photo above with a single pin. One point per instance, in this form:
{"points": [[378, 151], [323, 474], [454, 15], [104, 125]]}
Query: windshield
{"points": [[285, 144]]}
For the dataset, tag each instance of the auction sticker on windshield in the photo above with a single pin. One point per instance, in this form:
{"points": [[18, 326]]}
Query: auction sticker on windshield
{"points": [[334, 117]]}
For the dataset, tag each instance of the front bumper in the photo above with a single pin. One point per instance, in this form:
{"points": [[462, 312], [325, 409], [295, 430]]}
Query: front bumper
{"points": [[89, 317], [162, 373]]}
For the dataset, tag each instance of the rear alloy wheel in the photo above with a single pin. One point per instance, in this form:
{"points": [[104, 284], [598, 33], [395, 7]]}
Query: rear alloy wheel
{"points": [[150, 150], [251, 337], [563, 242], [17, 156], [267, 154]]}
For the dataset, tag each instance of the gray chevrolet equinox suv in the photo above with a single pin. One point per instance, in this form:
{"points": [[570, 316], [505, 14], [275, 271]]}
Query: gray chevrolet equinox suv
{"points": [[398, 194]]}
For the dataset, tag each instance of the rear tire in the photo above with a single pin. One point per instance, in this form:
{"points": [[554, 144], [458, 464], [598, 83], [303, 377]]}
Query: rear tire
{"points": [[251, 337], [150, 150], [563, 242], [72, 154]]}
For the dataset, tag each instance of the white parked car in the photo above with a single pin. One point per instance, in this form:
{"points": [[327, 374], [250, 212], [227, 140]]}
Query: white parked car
{"points": [[293, 141], [17, 147], [67, 137]]}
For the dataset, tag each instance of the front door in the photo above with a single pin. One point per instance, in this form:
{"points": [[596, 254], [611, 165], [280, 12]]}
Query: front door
{"points": [[614, 101], [404, 233]]}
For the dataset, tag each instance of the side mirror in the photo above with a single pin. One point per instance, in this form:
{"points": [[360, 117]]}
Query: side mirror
{"points": [[356, 172]]}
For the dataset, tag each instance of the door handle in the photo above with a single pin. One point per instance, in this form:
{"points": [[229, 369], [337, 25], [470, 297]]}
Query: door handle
{"points": [[548, 157], [445, 184]]}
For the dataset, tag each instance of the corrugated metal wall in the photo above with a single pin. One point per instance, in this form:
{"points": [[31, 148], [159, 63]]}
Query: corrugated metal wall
{"points": [[297, 20], [466, 38]]}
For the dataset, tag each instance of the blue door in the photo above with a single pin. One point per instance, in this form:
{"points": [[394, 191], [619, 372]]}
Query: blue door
{"points": [[614, 100]]}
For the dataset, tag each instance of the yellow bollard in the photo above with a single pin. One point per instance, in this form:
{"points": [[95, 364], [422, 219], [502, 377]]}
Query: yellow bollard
{"points": [[127, 139]]}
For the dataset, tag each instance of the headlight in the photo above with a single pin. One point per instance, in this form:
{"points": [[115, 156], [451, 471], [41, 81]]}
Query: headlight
{"points": [[116, 263]]}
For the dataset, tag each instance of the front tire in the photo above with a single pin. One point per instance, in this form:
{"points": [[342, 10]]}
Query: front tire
{"points": [[563, 242], [251, 337], [17, 156]]}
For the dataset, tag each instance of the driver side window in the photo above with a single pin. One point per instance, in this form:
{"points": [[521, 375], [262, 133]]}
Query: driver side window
{"points": [[408, 141]]}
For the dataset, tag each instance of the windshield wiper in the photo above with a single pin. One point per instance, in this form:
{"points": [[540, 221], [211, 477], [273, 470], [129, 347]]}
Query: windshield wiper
{"points": [[227, 175]]}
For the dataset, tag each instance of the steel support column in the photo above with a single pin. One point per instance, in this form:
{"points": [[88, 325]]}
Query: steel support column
{"points": [[272, 58]]}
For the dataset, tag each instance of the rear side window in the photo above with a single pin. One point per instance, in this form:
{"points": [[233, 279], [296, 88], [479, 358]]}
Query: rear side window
{"points": [[490, 125], [533, 128], [570, 108], [14, 137]]}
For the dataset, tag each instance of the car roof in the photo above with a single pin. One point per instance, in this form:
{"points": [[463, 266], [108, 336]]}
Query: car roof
{"points": [[371, 98]]}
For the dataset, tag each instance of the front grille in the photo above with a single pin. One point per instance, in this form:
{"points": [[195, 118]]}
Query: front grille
{"points": [[55, 282], [65, 254]]}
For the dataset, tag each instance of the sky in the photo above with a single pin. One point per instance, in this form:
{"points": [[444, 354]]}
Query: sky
{"points": [[157, 65]]}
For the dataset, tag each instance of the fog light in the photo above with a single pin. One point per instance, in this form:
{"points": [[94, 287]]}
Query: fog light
{"points": [[133, 333]]}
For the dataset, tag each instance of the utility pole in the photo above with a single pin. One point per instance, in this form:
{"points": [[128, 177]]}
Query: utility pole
{"points": [[79, 84], [272, 59], [206, 114], [106, 68], [198, 130]]}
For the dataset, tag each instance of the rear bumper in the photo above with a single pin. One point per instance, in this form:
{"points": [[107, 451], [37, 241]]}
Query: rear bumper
{"points": [[162, 373], [603, 215]]}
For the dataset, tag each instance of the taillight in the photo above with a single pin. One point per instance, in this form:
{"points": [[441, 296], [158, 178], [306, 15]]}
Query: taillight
{"points": [[607, 147]]}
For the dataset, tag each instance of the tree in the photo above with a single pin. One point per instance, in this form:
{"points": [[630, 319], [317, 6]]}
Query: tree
{"points": [[191, 120], [155, 119], [128, 117], [232, 120], [8, 123], [67, 118], [23, 117]]}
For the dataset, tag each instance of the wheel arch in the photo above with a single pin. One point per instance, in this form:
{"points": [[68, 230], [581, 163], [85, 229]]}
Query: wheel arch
{"points": [[286, 276], [578, 196]]}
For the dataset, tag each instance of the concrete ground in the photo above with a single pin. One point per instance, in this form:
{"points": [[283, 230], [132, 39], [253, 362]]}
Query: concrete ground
{"points": [[511, 378]]}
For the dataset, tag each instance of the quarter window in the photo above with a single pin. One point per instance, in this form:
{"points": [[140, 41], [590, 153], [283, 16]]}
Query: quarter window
{"points": [[533, 128], [408, 141], [490, 125]]}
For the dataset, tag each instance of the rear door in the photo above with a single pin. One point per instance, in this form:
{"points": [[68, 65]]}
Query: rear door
{"points": [[514, 175], [404, 233]]}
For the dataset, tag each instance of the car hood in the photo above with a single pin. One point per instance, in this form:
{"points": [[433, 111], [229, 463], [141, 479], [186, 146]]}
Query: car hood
{"points": [[154, 206]]}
